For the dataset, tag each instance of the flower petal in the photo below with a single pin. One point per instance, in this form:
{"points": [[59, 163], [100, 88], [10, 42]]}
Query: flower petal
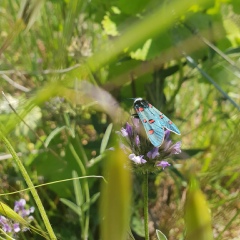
{"points": [[163, 164], [137, 159], [16, 227], [176, 148], [153, 153], [137, 140], [167, 135], [129, 129], [124, 132]]}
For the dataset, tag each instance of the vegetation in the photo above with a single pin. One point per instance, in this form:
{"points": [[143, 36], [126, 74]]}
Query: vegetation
{"points": [[67, 71]]}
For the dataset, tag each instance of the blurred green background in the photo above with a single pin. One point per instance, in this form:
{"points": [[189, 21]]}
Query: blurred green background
{"points": [[67, 68]]}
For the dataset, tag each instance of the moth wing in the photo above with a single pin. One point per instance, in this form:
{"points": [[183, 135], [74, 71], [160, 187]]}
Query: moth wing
{"points": [[164, 121], [154, 131]]}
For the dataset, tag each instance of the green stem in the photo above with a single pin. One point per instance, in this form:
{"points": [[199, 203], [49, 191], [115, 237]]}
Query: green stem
{"points": [[86, 188], [145, 194], [30, 185]]}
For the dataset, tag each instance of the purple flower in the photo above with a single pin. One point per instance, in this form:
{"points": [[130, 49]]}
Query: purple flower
{"points": [[2, 220], [16, 227], [19, 208], [6, 228], [137, 140], [124, 132], [129, 129], [138, 148], [163, 164], [153, 153], [136, 123], [176, 148], [167, 145], [137, 159], [167, 135], [19, 205]]}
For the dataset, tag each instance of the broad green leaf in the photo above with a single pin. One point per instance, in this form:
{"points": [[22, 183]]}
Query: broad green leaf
{"points": [[137, 225], [115, 197], [197, 214], [109, 26]]}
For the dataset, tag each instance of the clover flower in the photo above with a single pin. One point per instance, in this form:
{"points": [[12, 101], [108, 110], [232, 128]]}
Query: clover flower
{"points": [[144, 156], [9, 226]]}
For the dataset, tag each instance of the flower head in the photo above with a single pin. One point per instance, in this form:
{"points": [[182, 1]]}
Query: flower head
{"points": [[163, 164], [176, 148], [137, 159], [141, 152], [9, 226]]}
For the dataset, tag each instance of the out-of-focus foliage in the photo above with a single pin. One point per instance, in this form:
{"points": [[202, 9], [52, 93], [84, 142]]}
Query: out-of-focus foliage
{"points": [[121, 49]]}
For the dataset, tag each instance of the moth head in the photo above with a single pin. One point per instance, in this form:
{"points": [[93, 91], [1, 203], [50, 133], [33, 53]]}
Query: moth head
{"points": [[137, 99]]}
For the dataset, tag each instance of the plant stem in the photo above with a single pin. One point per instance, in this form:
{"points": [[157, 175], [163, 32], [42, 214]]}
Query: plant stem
{"points": [[86, 188], [30, 185], [145, 194]]}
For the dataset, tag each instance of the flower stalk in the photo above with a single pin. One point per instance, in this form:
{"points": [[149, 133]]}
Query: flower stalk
{"points": [[145, 202]]}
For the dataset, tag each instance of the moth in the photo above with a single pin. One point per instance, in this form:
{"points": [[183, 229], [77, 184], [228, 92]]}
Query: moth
{"points": [[154, 121]]}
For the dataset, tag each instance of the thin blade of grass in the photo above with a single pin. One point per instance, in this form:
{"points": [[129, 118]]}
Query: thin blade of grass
{"points": [[106, 138], [77, 190], [72, 206]]}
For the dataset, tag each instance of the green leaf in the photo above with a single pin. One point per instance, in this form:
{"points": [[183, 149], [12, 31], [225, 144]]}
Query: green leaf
{"points": [[106, 138], [116, 197], [197, 214], [77, 190], [95, 160], [109, 26], [141, 53], [5, 210], [137, 225], [53, 134], [160, 235], [72, 206], [93, 199]]}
